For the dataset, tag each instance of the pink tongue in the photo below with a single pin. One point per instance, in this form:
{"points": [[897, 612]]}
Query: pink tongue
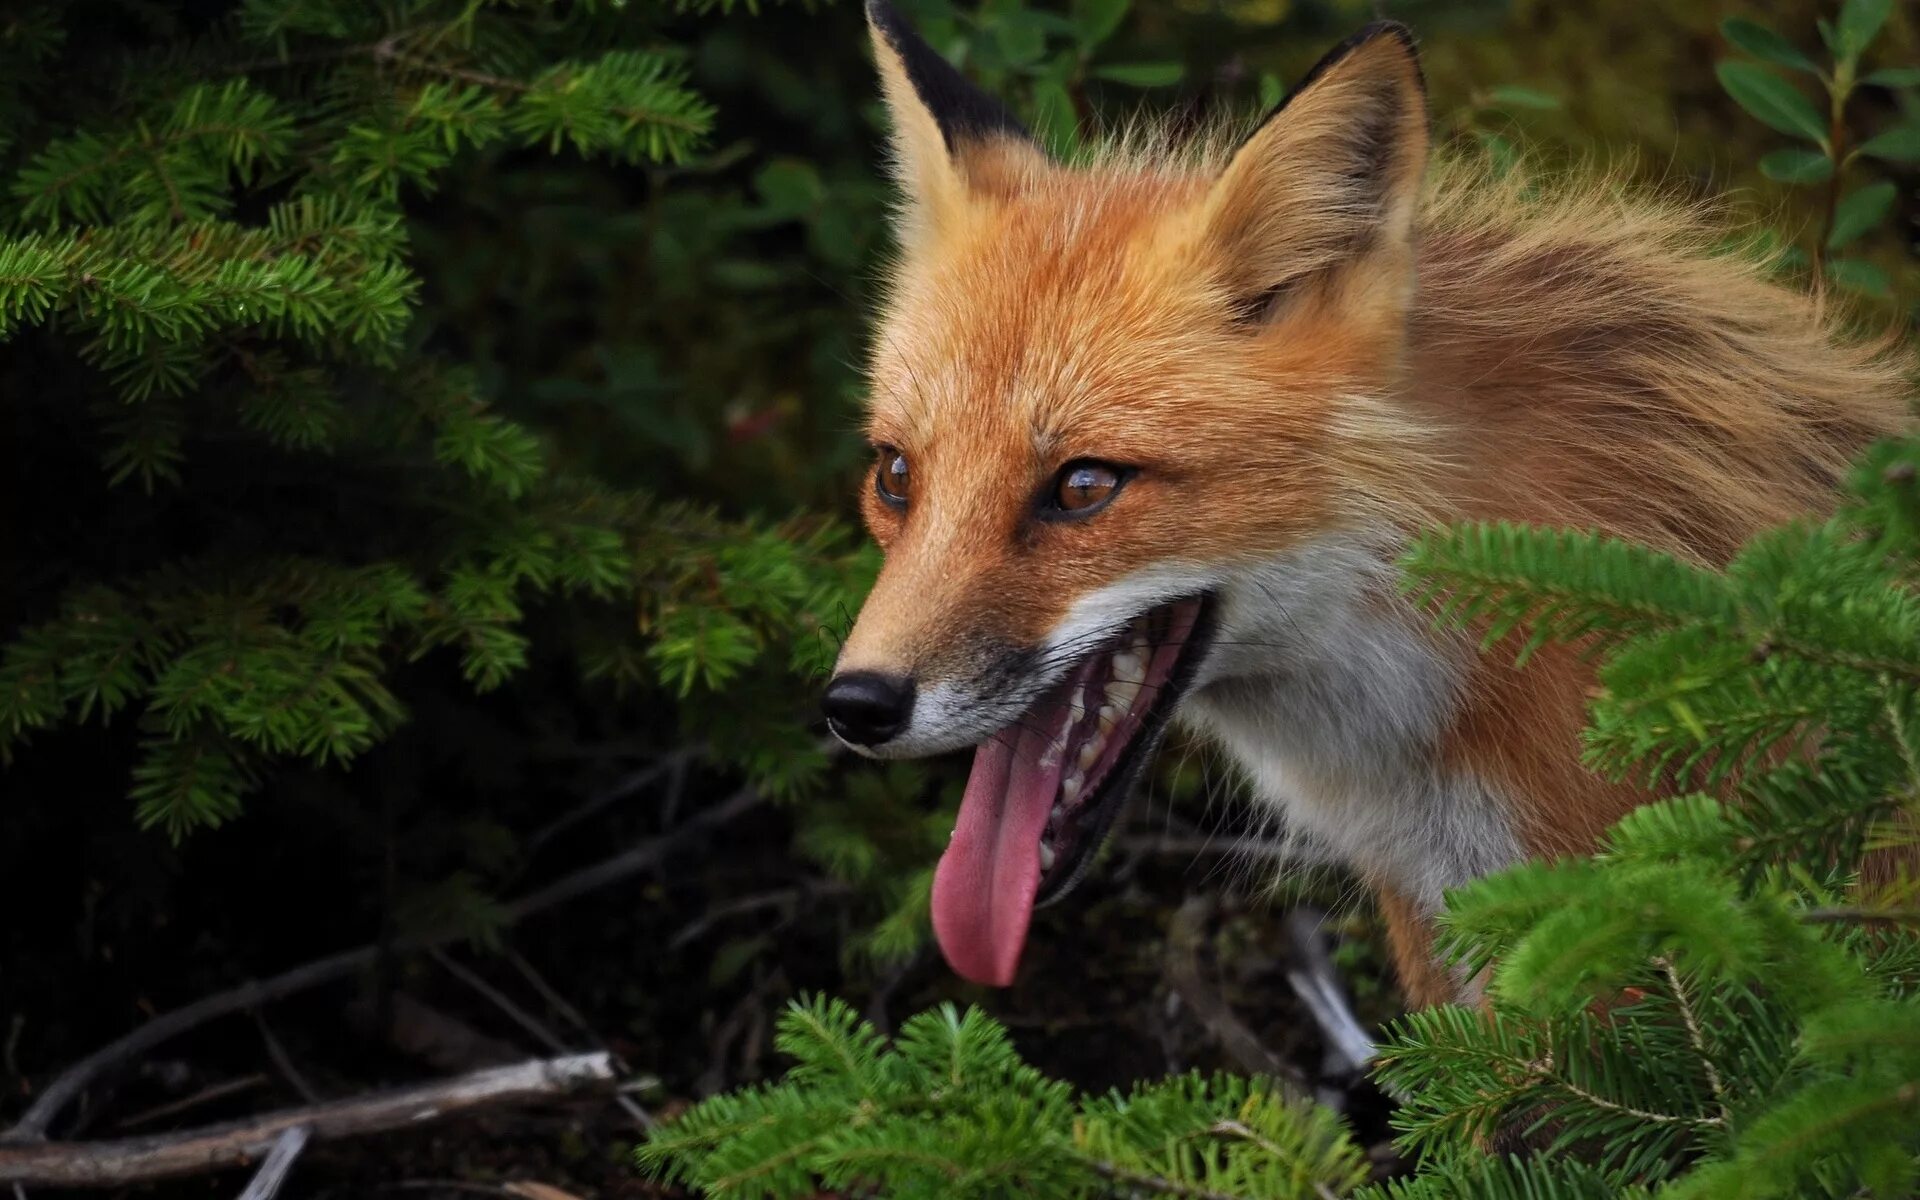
{"points": [[984, 887]]}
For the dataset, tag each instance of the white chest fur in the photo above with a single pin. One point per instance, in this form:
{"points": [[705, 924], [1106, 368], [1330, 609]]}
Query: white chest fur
{"points": [[1331, 695]]}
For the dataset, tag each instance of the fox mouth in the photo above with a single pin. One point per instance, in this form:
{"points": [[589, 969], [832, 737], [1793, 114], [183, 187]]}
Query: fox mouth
{"points": [[1045, 790]]}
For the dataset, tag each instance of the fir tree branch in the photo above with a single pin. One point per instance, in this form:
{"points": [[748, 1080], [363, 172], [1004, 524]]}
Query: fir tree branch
{"points": [[1902, 737], [1861, 916], [1867, 664], [1694, 1032], [518, 87], [152, 146], [1545, 1070], [1237, 1129], [1161, 1186]]}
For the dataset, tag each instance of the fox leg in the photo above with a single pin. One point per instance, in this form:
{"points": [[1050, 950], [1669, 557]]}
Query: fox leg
{"points": [[1410, 938]]}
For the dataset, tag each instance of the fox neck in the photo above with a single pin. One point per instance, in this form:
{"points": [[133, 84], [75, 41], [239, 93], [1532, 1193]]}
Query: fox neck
{"points": [[1334, 699]]}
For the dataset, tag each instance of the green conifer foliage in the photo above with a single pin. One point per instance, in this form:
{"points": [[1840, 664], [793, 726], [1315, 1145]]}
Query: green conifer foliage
{"points": [[1722, 1001], [949, 1110], [204, 248]]}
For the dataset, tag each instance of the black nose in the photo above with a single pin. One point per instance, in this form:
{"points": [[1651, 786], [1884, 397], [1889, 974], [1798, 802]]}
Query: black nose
{"points": [[866, 707]]}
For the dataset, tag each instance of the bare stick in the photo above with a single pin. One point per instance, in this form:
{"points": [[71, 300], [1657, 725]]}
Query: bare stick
{"points": [[205, 1095], [622, 788], [236, 1143], [39, 1117], [559, 1004], [1185, 933], [284, 1061], [787, 897], [1315, 981], [551, 995], [531, 1024], [500, 1000], [266, 1182], [630, 862], [64, 1090]]}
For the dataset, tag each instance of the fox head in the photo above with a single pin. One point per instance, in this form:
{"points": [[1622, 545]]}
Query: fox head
{"points": [[1101, 397]]}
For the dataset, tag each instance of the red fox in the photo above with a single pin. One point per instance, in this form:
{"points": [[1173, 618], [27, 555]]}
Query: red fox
{"points": [[1152, 431]]}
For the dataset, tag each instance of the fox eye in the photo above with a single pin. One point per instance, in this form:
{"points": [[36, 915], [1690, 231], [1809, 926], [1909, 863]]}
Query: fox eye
{"points": [[1085, 486], [891, 479]]}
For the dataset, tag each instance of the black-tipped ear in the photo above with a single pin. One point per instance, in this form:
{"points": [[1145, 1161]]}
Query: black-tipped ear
{"points": [[952, 143], [1333, 173], [962, 111], [1366, 34]]}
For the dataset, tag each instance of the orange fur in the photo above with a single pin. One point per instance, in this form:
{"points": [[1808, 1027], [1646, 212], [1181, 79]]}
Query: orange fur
{"points": [[1423, 981]]}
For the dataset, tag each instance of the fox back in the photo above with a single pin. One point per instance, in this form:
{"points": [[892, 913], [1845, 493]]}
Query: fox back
{"points": [[1151, 431]]}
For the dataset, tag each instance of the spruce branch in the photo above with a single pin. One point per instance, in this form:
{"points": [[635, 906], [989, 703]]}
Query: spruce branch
{"points": [[1156, 1185], [1695, 1034], [949, 1110], [1861, 916]]}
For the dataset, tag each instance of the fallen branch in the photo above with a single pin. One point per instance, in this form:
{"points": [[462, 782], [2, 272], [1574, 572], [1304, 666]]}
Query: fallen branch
{"points": [[284, 1061], [527, 1021], [1314, 980], [634, 781], [265, 1184], [33, 1124], [443, 1042], [236, 1143], [66, 1088], [560, 1004], [205, 1095], [1186, 933]]}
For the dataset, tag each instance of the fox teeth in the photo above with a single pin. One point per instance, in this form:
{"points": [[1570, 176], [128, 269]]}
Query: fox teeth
{"points": [[1090, 752], [1046, 857]]}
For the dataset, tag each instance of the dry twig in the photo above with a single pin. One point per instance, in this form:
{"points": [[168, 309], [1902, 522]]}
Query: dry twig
{"points": [[1185, 933], [265, 1184], [236, 1143], [67, 1087]]}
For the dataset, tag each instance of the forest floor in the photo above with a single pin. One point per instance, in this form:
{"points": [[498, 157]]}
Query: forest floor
{"points": [[1166, 959]]}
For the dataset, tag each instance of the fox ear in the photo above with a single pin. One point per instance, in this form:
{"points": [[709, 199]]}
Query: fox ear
{"points": [[1333, 175], [950, 139]]}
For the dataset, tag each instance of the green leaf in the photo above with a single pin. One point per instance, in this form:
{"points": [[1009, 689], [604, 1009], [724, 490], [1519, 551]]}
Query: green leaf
{"points": [[1857, 275], [1771, 100], [1756, 39], [1797, 166], [1895, 145], [1142, 75], [789, 187], [1893, 77], [1096, 20], [1272, 91], [1505, 157], [1054, 121], [1860, 22], [1511, 96], [1859, 212], [1020, 39]]}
